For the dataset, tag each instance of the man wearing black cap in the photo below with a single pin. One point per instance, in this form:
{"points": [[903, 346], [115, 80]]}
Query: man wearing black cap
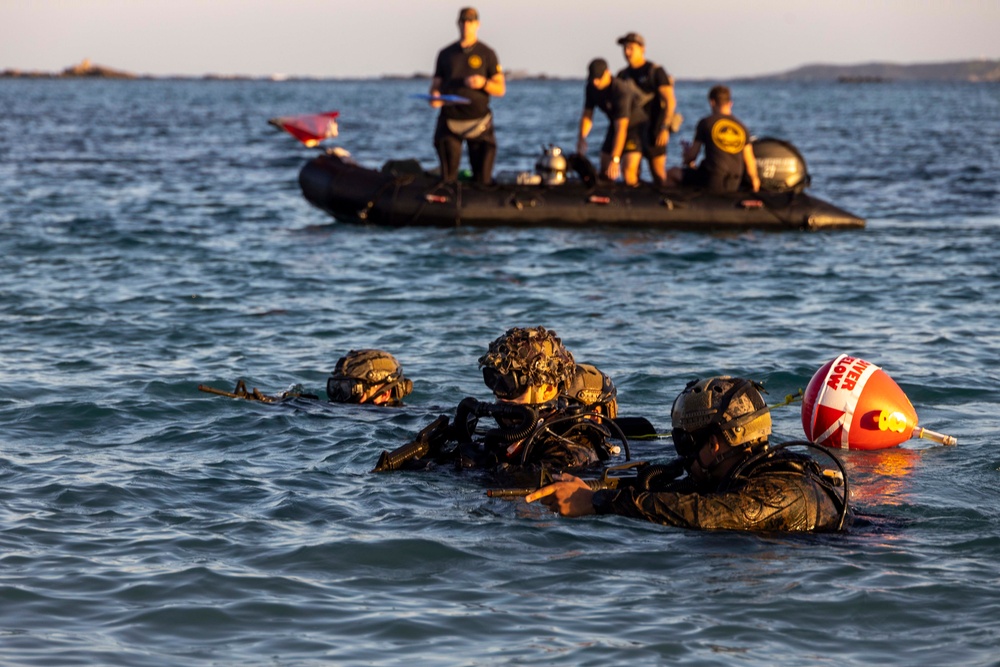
{"points": [[470, 69], [621, 151], [657, 90]]}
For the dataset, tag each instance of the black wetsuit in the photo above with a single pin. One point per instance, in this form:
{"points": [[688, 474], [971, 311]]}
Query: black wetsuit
{"points": [[784, 491], [558, 438], [724, 138], [454, 65], [649, 78], [619, 100]]}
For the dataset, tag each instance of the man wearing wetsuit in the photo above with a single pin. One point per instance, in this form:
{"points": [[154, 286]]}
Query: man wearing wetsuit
{"points": [[727, 149], [538, 425], [368, 376], [657, 89], [621, 152], [470, 69], [735, 479]]}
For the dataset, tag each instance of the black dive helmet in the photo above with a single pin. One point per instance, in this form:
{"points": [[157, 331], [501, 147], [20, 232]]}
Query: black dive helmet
{"points": [[728, 407], [360, 371], [780, 166], [523, 358]]}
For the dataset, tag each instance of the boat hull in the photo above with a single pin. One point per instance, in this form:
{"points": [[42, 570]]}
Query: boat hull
{"points": [[402, 195]]}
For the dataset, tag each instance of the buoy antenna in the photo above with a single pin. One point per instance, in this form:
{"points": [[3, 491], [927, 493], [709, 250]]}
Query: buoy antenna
{"points": [[939, 438]]}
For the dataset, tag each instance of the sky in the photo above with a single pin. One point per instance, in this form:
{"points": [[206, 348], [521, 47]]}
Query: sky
{"points": [[693, 39]]}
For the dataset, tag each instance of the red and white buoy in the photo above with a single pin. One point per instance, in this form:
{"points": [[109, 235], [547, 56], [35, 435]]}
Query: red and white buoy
{"points": [[851, 403]]}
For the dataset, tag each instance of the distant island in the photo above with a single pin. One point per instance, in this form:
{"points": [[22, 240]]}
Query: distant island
{"points": [[85, 69], [973, 71]]}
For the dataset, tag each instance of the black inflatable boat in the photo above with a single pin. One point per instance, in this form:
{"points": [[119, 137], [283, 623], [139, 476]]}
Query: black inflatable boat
{"points": [[403, 194]]}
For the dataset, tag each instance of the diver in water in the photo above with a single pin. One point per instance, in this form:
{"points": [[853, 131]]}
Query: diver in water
{"points": [[537, 426], [361, 376], [735, 479], [368, 376]]}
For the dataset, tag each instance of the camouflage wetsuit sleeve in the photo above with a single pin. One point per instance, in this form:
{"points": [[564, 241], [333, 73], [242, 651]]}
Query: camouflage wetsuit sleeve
{"points": [[774, 501]]}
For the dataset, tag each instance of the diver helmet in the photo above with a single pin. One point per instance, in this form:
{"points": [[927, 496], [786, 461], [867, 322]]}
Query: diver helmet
{"points": [[360, 371], [731, 408], [523, 358], [551, 166], [593, 389]]}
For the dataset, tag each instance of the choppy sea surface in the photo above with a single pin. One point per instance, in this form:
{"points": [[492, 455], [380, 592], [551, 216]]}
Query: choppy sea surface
{"points": [[153, 238]]}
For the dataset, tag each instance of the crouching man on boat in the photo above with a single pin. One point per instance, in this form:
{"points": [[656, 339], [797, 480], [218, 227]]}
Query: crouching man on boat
{"points": [[621, 152], [537, 425], [470, 69], [368, 376], [736, 480], [728, 151]]}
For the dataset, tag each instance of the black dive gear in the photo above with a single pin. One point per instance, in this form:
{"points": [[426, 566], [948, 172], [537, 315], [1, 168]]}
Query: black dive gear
{"points": [[827, 478], [773, 490]]}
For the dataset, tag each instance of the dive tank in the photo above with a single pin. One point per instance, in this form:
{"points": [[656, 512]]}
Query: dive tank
{"points": [[551, 166], [780, 166]]}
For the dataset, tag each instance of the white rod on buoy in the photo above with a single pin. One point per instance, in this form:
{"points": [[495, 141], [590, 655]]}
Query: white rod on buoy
{"points": [[941, 438]]}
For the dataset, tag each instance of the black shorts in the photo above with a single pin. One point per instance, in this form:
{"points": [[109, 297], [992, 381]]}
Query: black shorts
{"points": [[633, 140], [648, 132]]}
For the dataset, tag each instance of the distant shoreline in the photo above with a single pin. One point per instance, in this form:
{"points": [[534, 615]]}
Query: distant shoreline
{"points": [[972, 71]]}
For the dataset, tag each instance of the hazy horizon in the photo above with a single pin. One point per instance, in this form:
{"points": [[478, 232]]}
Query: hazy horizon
{"points": [[340, 39]]}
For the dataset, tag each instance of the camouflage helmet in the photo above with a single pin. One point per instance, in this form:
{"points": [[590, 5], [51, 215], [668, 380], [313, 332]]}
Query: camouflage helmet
{"points": [[594, 389], [731, 408], [360, 371], [523, 358]]}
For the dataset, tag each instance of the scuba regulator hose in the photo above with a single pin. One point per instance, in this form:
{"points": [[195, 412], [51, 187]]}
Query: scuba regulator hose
{"points": [[578, 417], [470, 410]]}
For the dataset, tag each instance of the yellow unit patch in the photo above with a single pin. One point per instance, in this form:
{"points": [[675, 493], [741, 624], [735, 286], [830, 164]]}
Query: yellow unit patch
{"points": [[728, 136]]}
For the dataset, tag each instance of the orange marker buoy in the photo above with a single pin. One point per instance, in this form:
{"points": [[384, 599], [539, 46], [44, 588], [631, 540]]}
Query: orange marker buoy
{"points": [[851, 403]]}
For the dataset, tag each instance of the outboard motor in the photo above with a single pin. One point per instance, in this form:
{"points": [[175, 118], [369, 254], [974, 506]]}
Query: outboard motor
{"points": [[780, 166], [551, 166]]}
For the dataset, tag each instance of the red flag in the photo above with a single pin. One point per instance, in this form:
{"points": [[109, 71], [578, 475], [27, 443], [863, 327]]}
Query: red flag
{"points": [[310, 129]]}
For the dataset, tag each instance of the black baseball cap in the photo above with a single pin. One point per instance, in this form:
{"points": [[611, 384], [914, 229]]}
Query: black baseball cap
{"points": [[597, 68], [468, 14], [632, 37]]}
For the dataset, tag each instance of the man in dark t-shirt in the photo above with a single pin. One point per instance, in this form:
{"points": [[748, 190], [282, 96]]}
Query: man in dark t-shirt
{"points": [[728, 150], [657, 90], [621, 151], [470, 69]]}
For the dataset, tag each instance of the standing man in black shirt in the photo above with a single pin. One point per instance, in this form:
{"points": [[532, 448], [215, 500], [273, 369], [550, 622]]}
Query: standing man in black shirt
{"points": [[621, 153], [470, 69], [657, 90]]}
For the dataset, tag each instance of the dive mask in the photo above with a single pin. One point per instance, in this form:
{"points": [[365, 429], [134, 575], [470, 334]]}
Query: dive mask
{"points": [[503, 386]]}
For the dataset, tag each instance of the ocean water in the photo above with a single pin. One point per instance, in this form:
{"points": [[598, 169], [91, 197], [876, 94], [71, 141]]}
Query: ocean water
{"points": [[153, 238]]}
